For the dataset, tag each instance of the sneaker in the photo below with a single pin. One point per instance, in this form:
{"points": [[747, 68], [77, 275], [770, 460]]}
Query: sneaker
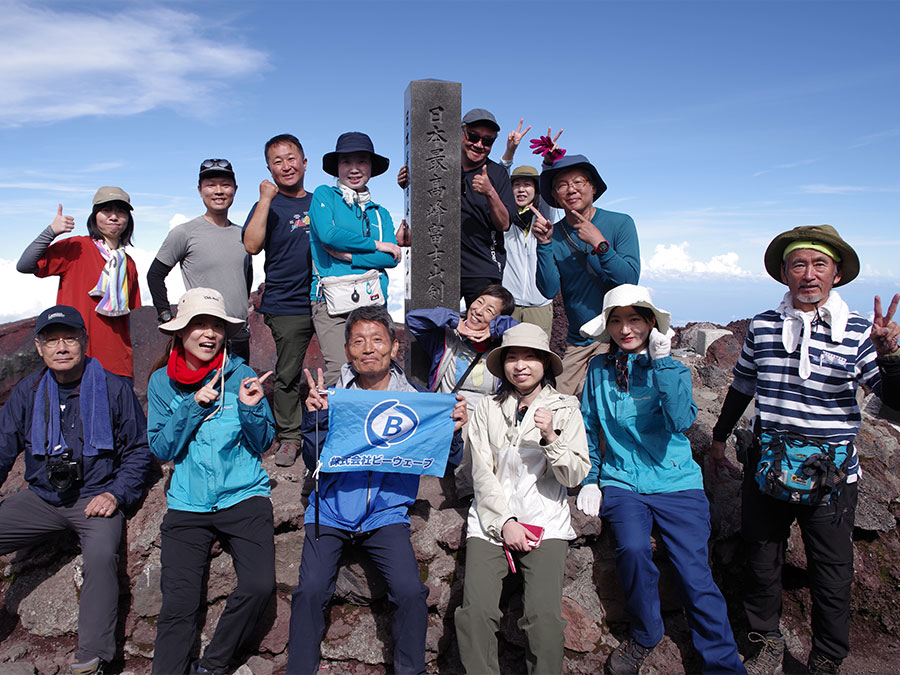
{"points": [[92, 667], [822, 665], [627, 658], [287, 453], [197, 669], [768, 659]]}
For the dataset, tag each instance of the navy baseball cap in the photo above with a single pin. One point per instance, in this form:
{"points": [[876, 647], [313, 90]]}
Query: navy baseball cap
{"points": [[59, 314]]}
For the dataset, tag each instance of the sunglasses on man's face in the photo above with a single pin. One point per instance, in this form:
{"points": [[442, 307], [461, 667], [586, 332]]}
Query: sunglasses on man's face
{"points": [[486, 141], [215, 164]]}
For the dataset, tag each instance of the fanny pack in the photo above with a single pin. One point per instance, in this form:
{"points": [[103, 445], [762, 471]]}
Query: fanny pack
{"points": [[801, 470], [346, 293]]}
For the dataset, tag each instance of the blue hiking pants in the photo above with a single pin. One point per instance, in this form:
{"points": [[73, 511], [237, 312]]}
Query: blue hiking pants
{"points": [[682, 519]]}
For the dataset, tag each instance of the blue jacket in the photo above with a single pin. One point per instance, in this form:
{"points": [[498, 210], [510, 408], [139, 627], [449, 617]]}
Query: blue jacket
{"points": [[361, 501], [122, 473], [646, 449], [584, 278], [217, 460], [354, 230], [435, 331]]}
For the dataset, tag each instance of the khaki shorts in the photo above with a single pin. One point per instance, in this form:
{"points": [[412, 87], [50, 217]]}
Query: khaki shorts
{"points": [[539, 316]]}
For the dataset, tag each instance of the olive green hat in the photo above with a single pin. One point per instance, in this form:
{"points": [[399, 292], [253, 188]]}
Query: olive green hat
{"points": [[815, 234]]}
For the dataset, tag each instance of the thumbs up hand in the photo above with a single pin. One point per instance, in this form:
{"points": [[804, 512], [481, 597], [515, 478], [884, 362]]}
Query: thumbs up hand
{"points": [[62, 223], [481, 183]]}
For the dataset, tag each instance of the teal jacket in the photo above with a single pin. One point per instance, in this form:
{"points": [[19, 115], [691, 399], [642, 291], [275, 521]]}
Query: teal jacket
{"points": [[216, 450], [584, 277], [335, 225], [646, 449]]}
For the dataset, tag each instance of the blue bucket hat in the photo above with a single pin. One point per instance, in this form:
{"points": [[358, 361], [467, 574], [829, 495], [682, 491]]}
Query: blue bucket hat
{"points": [[564, 164], [354, 141]]}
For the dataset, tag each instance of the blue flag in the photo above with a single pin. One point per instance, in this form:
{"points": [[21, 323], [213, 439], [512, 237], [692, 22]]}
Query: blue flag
{"points": [[404, 432]]}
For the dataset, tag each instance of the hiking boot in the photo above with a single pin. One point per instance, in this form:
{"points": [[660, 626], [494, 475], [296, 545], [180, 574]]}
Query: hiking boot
{"points": [[768, 660], [287, 453], [627, 658], [92, 667], [822, 665]]}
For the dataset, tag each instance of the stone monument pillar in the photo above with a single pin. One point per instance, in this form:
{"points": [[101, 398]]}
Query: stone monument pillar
{"points": [[432, 140]]}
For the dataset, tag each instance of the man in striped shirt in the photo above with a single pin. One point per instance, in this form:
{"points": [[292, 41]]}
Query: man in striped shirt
{"points": [[802, 363]]}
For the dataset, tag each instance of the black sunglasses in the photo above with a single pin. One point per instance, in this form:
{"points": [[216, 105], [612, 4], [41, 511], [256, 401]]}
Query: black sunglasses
{"points": [[216, 164], [622, 373], [486, 141]]}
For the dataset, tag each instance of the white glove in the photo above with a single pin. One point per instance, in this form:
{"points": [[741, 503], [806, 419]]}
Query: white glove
{"points": [[589, 499], [660, 345]]}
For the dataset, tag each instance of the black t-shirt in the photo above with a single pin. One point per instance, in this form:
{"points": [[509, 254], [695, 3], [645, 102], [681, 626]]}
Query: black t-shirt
{"points": [[288, 264], [481, 249]]}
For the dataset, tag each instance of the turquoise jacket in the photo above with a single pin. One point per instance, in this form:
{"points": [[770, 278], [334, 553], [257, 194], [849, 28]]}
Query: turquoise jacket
{"points": [[335, 225], [216, 450], [646, 449]]}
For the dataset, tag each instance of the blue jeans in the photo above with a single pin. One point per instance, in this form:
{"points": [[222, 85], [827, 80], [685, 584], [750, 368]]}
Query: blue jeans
{"points": [[391, 551], [682, 519]]}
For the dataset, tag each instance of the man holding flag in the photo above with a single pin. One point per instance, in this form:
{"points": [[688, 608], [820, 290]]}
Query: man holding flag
{"points": [[364, 497]]}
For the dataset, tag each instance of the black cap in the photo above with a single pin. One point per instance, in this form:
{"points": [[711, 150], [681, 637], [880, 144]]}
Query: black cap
{"points": [[481, 116], [216, 167], [59, 314]]}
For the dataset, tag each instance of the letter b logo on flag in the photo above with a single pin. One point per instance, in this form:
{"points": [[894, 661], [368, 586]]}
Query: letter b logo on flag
{"points": [[389, 423]]}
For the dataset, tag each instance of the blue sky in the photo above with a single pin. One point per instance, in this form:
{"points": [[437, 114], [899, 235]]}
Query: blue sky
{"points": [[716, 125]]}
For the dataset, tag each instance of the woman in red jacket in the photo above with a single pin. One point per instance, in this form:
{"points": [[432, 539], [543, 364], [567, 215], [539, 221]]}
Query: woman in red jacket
{"points": [[96, 276]]}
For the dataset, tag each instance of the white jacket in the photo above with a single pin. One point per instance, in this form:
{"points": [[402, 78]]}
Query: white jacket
{"points": [[514, 476]]}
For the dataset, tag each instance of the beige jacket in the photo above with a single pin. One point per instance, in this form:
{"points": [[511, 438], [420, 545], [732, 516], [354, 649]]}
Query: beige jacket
{"points": [[514, 476]]}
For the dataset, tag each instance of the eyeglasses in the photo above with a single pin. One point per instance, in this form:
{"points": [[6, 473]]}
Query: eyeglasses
{"points": [[622, 373], [564, 185], [216, 164], [53, 342], [486, 141]]}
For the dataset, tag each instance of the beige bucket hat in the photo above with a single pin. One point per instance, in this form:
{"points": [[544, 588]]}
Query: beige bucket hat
{"points": [[625, 295], [199, 301], [523, 335]]}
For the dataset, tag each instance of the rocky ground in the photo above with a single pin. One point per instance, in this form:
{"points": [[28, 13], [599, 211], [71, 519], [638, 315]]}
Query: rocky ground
{"points": [[39, 587]]}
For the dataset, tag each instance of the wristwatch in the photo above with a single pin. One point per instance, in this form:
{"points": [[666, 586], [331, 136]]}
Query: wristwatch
{"points": [[164, 316], [602, 247]]}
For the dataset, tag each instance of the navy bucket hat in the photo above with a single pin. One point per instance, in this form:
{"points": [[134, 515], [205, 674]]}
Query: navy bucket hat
{"points": [[354, 141], [564, 164]]}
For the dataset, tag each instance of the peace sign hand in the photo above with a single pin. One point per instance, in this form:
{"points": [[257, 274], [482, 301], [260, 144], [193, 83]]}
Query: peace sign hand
{"points": [[885, 331], [515, 137], [585, 229], [206, 395], [541, 227], [318, 395], [251, 391]]}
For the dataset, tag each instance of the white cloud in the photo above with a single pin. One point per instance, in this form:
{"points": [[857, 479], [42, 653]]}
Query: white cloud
{"points": [[177, 220], [674, 261], [876, 137], [24, 294], [787, 165], [822, 189], [58, 64], [397, 289]]}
